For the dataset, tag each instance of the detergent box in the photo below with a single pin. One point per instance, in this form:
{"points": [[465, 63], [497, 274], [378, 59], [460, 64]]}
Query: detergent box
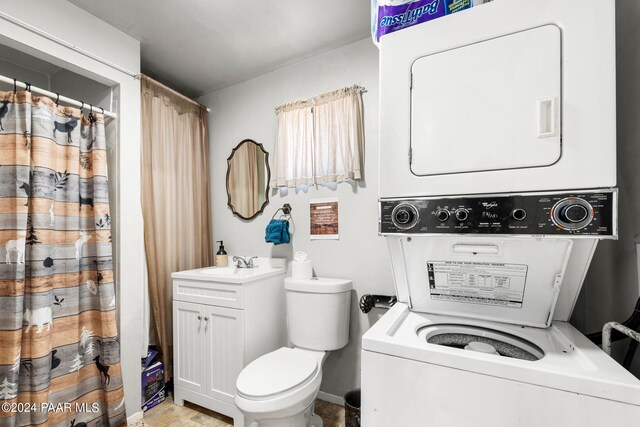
{"points": [[153, 387], [388, 16]]}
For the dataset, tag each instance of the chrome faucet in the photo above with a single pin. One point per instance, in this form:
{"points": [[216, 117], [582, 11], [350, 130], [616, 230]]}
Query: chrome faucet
{"points": [[243, 262]]}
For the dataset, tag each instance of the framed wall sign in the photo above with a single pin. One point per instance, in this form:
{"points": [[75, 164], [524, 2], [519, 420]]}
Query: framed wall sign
{"points": [[323, 217]]}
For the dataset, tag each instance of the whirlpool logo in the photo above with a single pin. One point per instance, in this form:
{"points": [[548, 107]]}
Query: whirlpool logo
{"points": [[489, 205]]}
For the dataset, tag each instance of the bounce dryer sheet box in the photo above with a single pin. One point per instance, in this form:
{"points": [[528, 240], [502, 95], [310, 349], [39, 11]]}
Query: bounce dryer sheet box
{"points": [[153, 387], [388, 16]]}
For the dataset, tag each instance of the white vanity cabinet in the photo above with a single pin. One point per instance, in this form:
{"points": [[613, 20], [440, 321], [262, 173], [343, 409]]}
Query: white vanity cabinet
{"points": [[222, 320]]}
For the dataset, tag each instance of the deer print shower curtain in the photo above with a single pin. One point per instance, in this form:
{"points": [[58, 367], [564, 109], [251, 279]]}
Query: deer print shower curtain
{"points": [[59, 347]]}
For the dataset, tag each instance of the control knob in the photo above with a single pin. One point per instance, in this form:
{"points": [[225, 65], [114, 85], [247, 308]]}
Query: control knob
{"points": [[518, 214], [572, 213], [575, 213], [442, 215], [462, 214], [404, 216]]}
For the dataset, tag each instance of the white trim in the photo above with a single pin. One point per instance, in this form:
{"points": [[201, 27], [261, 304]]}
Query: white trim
{"points": [[135, 417], [331, 398], [66, 44]]}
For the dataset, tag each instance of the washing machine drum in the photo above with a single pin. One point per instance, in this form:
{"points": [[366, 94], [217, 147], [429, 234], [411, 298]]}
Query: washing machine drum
{"points": [[276, 373], [482, 340]]}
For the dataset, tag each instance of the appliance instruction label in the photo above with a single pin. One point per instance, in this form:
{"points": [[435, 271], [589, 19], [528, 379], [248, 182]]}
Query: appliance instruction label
{"points": [[477, 282]]}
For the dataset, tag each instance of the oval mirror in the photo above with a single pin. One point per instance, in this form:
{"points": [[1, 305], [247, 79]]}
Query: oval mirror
{"points": [[248, 177]]}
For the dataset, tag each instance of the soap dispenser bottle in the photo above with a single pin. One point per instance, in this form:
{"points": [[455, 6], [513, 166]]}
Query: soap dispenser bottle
{"points": [[222, 259]]}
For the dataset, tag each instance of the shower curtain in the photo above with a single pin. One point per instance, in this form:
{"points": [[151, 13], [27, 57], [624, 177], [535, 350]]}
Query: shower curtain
{"points": [[59, 347], [176, 203]]}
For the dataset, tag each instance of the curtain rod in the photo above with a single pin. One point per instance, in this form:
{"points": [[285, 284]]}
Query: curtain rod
{"points": [[65, 43], [312, 100], [175, 92], [53, 95]]}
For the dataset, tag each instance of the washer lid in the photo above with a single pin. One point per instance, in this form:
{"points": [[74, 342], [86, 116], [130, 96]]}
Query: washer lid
{"points": [[319, 285], [276, 372], [502, 279]]}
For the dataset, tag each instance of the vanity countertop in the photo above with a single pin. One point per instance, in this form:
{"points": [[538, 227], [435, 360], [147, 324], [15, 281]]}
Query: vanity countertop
{"points": [[265, 267]]}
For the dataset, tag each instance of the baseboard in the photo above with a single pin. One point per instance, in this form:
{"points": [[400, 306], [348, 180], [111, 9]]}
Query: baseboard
{"points": [[135, 417], [331, 398]]}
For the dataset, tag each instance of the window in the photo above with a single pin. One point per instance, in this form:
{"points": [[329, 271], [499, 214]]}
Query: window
{"points": [[320, 140]]}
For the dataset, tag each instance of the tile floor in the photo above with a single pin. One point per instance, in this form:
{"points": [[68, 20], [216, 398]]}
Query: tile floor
{"points": [[167, 414]]}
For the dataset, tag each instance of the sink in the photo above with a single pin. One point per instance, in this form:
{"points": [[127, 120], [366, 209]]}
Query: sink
{"points": [[265, 268], [236, 275], [220, 271]]}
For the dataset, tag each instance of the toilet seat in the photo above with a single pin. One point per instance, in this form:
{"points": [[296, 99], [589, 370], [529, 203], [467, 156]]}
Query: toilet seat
{"points": [[277, 373], [262, 394]]}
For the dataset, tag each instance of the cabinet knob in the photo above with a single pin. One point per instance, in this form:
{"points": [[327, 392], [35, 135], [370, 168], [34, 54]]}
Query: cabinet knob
{"points": [[206, 319], [199, 317]]}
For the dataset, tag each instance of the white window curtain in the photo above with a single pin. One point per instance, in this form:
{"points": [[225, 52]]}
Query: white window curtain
{"points": [[320, 140], [294, 146]]}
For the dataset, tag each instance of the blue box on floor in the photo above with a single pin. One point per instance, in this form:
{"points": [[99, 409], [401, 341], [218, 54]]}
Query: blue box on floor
{"points": [[153, 387]]}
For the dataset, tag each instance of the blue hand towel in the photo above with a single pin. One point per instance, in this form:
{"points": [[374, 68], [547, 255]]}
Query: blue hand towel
{"points": [[277, 232]]}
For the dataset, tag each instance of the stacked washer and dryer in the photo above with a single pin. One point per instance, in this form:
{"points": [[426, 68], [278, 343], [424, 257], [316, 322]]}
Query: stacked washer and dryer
{"points": [[497, 180]]}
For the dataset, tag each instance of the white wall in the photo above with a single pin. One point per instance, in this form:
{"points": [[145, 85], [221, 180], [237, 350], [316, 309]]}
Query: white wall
{"points": [[246, 110], [73, 25], [24, 74], [90, 92], [611, 288]]}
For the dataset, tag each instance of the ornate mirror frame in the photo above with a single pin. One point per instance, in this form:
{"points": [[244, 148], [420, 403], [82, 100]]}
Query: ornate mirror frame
{"points": [[268, 179]]}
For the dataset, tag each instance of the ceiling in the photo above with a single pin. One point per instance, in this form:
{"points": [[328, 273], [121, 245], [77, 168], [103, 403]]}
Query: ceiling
{"points": [[196, 46]]}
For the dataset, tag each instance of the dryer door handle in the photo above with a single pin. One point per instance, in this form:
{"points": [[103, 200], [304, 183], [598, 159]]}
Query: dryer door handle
{"points": [[547, 118]]}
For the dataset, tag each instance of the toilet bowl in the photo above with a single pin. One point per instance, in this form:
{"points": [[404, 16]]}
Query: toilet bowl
{"points": [[279, 388]]}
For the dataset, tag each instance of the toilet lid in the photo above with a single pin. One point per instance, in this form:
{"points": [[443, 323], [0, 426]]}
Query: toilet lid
{"points": [[276, 372]]}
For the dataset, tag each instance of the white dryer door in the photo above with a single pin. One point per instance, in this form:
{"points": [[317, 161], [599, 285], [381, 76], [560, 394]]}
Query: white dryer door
{"points": [[488, 106]]}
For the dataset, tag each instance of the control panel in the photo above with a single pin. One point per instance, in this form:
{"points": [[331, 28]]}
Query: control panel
{"points": [[587, 213]]}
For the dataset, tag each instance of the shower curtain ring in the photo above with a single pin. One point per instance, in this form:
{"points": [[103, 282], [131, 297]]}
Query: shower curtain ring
{"points": [[102, 109], [82, 106], [15, 86], [27, 86], [57, 98]]}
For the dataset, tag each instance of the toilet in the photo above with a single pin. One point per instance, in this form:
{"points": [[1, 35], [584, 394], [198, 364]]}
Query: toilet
{"points": [[280, 388]]}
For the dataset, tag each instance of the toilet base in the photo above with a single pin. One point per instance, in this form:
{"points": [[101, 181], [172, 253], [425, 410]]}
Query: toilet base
{"points": [[305, 419], [315, 421]]}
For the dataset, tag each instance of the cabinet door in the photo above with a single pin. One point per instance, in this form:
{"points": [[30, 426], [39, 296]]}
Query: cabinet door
{"points": [[189, 346], [224, 329]]}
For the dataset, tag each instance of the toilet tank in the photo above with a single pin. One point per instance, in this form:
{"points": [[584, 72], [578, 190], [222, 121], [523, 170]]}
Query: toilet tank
{"points": [[318, 312]]}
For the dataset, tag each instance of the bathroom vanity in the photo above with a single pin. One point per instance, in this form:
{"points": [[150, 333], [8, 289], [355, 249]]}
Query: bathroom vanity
{"points": [[223, 319]]}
